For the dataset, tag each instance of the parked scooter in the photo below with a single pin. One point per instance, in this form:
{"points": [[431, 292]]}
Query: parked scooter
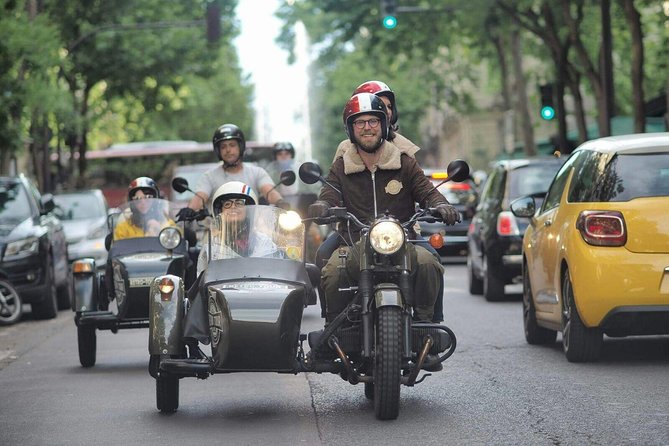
{"points": [[11, 305], [249, 307]]}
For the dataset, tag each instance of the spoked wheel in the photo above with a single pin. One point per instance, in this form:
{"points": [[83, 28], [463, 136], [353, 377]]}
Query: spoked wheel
{"points": [[387, 363], [87, 345], [534, 334], [167, 392], [579, 343], [11, 306]]}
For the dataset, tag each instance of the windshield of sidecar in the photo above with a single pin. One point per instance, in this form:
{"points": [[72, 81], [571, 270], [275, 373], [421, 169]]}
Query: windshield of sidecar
{"points": [[255, 231], [142, 218]]}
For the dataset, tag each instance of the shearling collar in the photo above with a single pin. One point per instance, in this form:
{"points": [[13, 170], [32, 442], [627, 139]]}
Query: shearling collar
{"points": [[390, 159]]}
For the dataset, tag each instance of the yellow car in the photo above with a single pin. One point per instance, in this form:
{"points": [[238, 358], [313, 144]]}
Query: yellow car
{"points": [[596, 253]]}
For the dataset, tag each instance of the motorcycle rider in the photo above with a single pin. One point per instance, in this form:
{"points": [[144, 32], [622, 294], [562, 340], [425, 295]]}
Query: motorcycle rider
{"points": [[398, 183], [387, 95], [231, 226], [147, 217], [229, 144], [284, 159]]}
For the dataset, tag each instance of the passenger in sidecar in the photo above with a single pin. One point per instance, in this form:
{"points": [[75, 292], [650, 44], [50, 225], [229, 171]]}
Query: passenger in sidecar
{"points": [[144, 242]]}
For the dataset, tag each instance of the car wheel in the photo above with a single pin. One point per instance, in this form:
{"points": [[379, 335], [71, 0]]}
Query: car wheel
{"points": [[580, 343], [11, 306], [534, 334], [475, 284], [493, 285], [47, 308], [87, 345], [369, 391]]}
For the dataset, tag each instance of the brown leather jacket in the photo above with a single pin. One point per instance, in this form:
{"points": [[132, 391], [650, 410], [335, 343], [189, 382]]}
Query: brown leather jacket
{"points": [[398, 181]]}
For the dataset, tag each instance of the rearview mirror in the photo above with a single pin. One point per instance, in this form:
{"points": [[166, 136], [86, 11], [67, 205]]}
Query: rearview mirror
{"points": [[310, 173], [287, 177], [180, 184]]}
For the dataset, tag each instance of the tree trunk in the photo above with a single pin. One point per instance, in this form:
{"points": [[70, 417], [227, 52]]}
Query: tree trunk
{"points": [[634, 22], [521, 95], [575, 88], [606, 71], [81, 138]]}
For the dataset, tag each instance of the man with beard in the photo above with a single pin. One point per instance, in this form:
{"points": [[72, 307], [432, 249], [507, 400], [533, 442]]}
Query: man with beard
{"points": [[375, 169]]}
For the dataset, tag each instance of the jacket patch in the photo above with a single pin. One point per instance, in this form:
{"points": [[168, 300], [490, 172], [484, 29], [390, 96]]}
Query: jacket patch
{"points": [[393, 187]]}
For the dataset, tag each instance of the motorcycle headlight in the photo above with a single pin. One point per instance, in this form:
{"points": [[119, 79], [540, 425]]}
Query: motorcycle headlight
{"points": [[289, 221], [22, 248], [386, 237], [169, 238]]}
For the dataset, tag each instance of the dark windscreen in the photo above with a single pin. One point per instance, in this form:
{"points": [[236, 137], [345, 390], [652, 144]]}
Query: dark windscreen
{"points": [[531, 179], [14, 204]]}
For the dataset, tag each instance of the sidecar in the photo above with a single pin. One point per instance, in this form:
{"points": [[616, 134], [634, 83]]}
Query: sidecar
{"points": [[131, 267], [247, 306]]}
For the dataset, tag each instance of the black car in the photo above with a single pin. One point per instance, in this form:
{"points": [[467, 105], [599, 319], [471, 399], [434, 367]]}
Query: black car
{"points": [[495, 234], [33, 247], [465, 198]]}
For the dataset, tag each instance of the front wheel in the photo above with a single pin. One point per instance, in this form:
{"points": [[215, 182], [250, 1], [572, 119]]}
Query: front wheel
{"points": [[11, 306], [388, 363], [87, 345], [167, 392]]}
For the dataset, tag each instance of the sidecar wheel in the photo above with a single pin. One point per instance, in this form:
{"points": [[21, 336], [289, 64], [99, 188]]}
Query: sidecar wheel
{"points": [[388, 363], [167, 393], [369, 391], [87, 346]]}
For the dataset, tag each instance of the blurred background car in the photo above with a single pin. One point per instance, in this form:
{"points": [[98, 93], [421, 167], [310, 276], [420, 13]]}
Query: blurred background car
{"points": [[464, 198], [33, 247], [596, 255], [495, 235], [84, 216]]}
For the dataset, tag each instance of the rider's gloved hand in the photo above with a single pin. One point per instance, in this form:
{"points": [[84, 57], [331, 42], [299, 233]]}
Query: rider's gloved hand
{"points": [[187, 214], [318, 209], [283, 204], [201, 214], [447, 212]]}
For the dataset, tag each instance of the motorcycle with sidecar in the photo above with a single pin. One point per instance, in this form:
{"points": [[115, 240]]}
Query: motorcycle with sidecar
{"points": [[249, 308], [132, 264]]}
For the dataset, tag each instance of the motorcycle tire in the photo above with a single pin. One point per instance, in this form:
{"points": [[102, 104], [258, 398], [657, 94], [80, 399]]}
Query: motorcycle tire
{"points": [[11, 305], [87, 340], [388, 363], [167, 393]]}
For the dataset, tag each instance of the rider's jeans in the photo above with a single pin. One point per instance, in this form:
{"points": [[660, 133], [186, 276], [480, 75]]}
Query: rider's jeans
{"points": [[426, 277]]}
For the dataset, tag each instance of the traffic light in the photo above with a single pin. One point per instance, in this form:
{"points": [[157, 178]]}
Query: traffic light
{"points": [[213, 20], [547, 107], [388, 13]]}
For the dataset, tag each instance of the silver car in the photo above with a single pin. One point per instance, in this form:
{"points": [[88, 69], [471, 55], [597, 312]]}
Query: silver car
{"points": [[84, 217]]}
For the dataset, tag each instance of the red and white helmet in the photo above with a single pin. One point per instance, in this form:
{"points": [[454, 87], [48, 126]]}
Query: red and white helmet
{"points": [[365, 103], [146, 184], [380, 89], [229, 190]]}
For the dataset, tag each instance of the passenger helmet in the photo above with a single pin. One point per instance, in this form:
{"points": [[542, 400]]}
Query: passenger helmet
{"points": [[283, 146], [380, 89], [146, 184], [364, 103], [229, 131], [231, 189]]}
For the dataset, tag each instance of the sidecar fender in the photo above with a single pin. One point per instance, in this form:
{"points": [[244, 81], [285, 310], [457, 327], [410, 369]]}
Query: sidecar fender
{"points": [[387, 294], [85, 285], [166, 313]]}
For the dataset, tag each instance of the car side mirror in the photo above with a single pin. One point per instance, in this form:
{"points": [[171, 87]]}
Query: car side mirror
{"points": [[108, 242], [523, 207], [48, 205]]}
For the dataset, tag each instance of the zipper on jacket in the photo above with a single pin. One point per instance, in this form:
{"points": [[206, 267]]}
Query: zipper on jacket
{"points": [[376, 212]]}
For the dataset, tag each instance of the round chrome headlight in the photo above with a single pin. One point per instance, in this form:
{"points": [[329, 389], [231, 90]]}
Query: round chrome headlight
{"points": [[169, 238], [386, 237]]}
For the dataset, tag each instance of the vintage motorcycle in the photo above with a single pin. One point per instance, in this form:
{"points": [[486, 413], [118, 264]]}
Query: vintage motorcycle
{"points": [[131, 266], [250, 309]]}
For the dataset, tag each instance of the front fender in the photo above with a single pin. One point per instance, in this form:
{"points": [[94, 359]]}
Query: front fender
{"points": [[166, 314], [386, 294], [85, 285]]}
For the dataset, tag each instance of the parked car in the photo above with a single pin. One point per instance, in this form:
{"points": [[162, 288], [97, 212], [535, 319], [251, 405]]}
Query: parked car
{"points": [[596, 254], [495, 234], [33, 247], [84, 216], [464, 197]]}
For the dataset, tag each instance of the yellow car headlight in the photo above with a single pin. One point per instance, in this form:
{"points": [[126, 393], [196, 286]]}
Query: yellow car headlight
{"points": [[386, 237]]}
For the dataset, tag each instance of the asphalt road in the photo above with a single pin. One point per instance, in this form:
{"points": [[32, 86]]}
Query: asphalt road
{"points": [[496, 389]]}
